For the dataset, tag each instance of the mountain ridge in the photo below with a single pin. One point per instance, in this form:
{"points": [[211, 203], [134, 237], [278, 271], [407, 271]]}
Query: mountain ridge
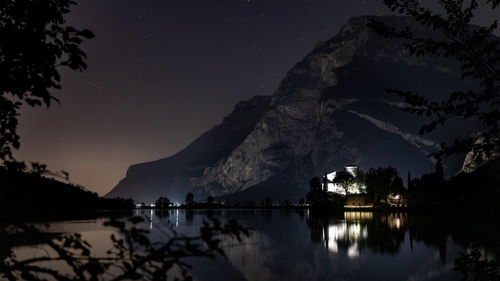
{"points": [[164, 174], [329, 110]]}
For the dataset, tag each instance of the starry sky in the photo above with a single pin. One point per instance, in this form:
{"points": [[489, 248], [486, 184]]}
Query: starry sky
{"points": [[162, 72]]}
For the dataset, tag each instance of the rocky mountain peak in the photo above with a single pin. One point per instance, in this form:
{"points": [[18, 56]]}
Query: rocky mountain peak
{"points": [[329, 110]]}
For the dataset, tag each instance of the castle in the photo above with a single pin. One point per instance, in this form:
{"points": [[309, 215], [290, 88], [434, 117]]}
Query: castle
{"points": [[328, 185]]}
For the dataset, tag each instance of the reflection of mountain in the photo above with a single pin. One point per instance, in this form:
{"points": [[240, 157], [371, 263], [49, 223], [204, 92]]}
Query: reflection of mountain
{"points": [[329, 110]]}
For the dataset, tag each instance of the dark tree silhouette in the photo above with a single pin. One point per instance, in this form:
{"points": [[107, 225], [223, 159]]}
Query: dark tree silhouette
{"points": [[381, 182], [36, 44], [475, 48], [345, 179], [301, 201], [315, 184], [163, 202], [359, 181], [21, 193], [189, 198], [316, 194], [210, 200], [474, 266], [268, 202]]}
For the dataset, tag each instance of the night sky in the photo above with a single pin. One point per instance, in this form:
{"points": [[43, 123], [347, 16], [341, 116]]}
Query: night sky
{"points": [[162, 72]]}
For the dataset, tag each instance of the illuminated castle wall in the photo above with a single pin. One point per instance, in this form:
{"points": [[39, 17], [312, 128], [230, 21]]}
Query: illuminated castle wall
{"points": [[333, 187]]}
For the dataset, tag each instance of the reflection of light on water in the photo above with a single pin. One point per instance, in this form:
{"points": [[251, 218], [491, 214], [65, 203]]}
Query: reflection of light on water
{"points": [[349, 232], [398, 223], [353, 250], [356, 216], [395, 221], [354, 230], [151, 219], [177, 217], [335, 232], [341, 231], [332, 246]]}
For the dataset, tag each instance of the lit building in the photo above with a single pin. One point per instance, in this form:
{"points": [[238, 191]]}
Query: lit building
{"points": [[337, 188]]}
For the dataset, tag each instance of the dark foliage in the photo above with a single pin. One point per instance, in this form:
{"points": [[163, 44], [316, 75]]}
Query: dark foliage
{"points": [[316, 194], [189, 198], [478, 190], [381, 182], [36, 44], [429, 189], [133, 255], [344, 179], [285, 203], [474, 267], [315, 184], [268, 201], [163, 202], [30, 192], [477, 51], [301, 201]]}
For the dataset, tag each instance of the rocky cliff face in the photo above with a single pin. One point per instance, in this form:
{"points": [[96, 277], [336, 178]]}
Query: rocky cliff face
{"points": [[475, 160], [330, 110], [175, 176]]}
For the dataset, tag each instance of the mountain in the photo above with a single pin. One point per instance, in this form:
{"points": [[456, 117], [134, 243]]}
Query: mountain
{"points": [[330, 110], [175, 176], [474, 160]]}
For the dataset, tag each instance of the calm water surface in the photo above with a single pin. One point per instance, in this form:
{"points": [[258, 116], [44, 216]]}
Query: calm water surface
{"points": [[300, 245]]}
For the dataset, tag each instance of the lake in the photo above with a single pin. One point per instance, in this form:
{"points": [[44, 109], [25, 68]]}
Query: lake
{"points": [[298, 244]]}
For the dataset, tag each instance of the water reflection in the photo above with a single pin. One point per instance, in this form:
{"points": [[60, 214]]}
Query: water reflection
{"points": [[347, 238], [304, 245], [354, 232], [345, 246]]}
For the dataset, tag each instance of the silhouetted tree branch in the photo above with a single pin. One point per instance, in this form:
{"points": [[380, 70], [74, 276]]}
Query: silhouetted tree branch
{"points": [[477, 51], [133, 255], [344, 179], [36, 44], [474, 266]]}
